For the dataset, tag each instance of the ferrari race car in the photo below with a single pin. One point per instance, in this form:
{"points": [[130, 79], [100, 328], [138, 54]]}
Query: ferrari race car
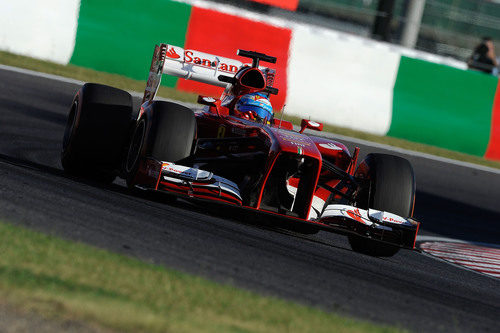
{"points": [[217, 154]]}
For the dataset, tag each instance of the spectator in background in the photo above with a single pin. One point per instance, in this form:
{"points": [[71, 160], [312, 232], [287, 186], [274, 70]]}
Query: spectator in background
{"points": [[483, 58]]}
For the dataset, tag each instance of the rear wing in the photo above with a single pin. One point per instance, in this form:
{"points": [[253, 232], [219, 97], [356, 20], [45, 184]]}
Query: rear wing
{"points": [[193, 65]]}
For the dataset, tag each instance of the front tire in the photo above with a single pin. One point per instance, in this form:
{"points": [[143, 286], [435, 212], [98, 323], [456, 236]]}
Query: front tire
{"points": [[165, 133], [392, 189]]}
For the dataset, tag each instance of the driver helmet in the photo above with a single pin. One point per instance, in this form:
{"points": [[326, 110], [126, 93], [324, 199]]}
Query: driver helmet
{"points": [[255, 105]]}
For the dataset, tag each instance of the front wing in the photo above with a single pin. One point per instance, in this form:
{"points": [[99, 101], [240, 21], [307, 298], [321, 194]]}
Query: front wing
{"points": [[199, 184]]}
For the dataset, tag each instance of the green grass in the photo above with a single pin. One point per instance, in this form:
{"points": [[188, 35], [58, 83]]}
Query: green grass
{"points": [[63, 280], [122, 82]]}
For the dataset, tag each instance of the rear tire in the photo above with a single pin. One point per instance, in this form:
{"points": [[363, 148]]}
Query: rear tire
{"points": [[96, 132], [166, 133], [392, 190]]}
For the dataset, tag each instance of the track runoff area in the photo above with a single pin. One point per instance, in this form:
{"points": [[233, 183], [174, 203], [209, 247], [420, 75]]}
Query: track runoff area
{"points": [[482, 258]]}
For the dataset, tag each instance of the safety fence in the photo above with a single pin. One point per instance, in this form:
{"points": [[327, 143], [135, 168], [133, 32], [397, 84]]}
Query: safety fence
{"points": [[326, 75]]}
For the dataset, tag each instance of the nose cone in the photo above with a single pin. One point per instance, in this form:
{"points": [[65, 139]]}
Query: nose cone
{"points": [[296, 143]]}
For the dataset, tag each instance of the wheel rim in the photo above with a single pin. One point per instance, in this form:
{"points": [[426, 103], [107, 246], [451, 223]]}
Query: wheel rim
{"points": [[135, 146]]}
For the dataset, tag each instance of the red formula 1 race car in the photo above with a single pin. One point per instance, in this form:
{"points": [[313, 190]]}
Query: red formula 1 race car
{"points": [[238, 156]]}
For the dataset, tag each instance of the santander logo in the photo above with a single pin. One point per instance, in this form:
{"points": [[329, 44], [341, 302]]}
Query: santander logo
{"points": [[197, 59], [172, 54]]}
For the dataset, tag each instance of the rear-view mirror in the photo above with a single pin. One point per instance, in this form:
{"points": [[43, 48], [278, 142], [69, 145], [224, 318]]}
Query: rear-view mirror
{"points": [[311, 125]]}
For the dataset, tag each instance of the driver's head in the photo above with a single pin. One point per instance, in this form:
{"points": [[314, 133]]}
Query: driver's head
{"points": [[255, 105]]}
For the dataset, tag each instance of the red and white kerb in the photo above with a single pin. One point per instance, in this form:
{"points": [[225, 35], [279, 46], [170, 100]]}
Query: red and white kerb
{"points": [[481, 259]]}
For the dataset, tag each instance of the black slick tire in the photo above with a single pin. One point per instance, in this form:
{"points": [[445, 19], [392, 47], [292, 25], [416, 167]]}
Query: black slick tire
{"points": [[97, 132], [166, 133], [393, 190]]}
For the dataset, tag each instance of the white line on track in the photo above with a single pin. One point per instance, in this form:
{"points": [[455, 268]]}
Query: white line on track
{"points": [[337, 136], [40, 74]]}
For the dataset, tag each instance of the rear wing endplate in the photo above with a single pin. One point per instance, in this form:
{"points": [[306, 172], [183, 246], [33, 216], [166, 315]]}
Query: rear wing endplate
{"points": [[193, 65]]}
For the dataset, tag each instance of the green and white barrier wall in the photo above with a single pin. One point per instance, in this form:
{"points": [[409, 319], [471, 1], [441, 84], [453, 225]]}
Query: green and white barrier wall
{"points": [[329, 76], [443, 106]]}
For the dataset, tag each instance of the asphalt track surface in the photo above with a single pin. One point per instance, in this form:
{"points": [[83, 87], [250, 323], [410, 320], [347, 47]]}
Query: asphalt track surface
{"points": [[410, 290]]}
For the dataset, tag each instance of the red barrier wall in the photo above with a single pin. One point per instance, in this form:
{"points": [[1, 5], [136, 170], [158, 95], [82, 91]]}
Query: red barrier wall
{"points": [[493, 150], [222, 34]]}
